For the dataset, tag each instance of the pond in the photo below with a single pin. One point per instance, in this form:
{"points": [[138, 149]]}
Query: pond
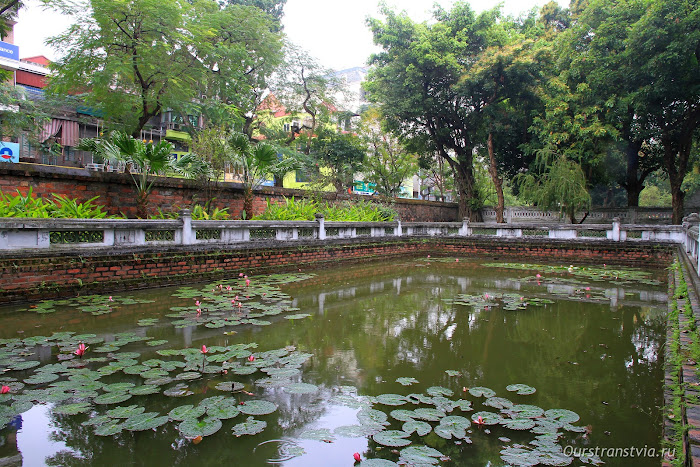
{"points": [[427, 361]]}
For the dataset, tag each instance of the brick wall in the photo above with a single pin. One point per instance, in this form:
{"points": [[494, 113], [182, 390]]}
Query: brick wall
{"points": [[46, 275], [116, 192]]}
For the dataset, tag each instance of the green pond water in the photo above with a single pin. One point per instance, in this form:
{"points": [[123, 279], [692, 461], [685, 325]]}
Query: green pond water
{"points": [[393, 360]]}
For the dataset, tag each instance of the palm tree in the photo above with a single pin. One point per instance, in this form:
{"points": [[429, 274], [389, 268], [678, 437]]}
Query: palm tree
{"points": [[144, 159], [253, 163]]}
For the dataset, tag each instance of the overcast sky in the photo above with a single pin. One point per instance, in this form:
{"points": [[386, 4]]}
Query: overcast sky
{"points": [[333, 31]]}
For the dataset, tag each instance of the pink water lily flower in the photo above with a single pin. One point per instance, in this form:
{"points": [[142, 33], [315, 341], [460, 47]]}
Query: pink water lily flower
{"points": [[479, 420], [80, 351], [251, 358], [204, 349], [357, 457], [5, 390], [247, 282]]}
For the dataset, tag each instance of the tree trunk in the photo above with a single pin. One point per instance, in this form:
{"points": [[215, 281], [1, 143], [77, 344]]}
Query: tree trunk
{"points": [[464, 176], [676, 155], [142, 205], [497, 181], [633, 183], [247, 203]]}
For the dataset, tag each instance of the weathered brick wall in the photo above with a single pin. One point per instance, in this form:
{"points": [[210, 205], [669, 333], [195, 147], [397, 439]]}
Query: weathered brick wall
{"points": [[116, 192], [34, 276]]}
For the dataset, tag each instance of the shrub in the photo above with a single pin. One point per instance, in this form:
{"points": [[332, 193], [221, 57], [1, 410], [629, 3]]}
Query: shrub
{"points": [[349, 211], [27, 205]]}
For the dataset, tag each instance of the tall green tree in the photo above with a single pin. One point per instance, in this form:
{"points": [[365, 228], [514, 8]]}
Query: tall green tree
{"points": [[414, 81], [663, 50], [595, 62], [136, 59]]}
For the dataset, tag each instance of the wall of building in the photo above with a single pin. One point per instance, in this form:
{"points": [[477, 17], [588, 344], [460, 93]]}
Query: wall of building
{"points": [[116, 192], [81, 270]]}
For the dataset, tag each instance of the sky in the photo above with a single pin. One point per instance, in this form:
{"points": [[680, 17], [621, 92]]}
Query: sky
{"points": [[333, 31]]}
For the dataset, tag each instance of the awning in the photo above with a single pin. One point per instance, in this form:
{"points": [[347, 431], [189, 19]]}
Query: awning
{"points": [[66, 132]]}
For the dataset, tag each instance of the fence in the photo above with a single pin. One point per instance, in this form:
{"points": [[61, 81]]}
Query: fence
{"points": [[58, 234], [633, 215]]}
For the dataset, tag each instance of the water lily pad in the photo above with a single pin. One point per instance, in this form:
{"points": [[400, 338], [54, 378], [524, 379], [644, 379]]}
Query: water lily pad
{"points": [[518, 423], [372, 417], [322, 434], [191, 427], [392, 438], [488, 418], [521, 389], [23, 365], [517, 456], [574, 428], [453, 426], [498, 403], [135, 369], [126, 412], [244, 370], [179, 390], [405, 381], [452, 372], [72, 409], [98, 420], [353, 431], [155, 343], [430, 415], [118, 387], [145, 421], [223, 410], [41, 378], [302, 388], [188, 375], [112, 398], [420, 455], [527, 411], [377, 462], [480, 391], [391, 399], [421, 428], [297, 316], [257, 407], [403, 415], [249, 427], [109, 429], [229, 386], [186, 411], [440, 391], [563, 415]]}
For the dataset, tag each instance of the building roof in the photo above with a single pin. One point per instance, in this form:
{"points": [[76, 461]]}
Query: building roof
{"points": [[38, 59]]}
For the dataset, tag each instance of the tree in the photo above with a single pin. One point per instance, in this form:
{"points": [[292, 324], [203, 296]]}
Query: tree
{"points": [[387, 164], [304, 86], [336, 157], [144, 160], [593, 53], [414, 81], [561, 186], [274, 8], [663, 60], [135, 60], [253, 164]]}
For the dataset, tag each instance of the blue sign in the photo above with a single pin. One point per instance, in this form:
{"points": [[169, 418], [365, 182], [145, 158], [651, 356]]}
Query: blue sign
{"points": [[9, 50], [9, 152]]}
